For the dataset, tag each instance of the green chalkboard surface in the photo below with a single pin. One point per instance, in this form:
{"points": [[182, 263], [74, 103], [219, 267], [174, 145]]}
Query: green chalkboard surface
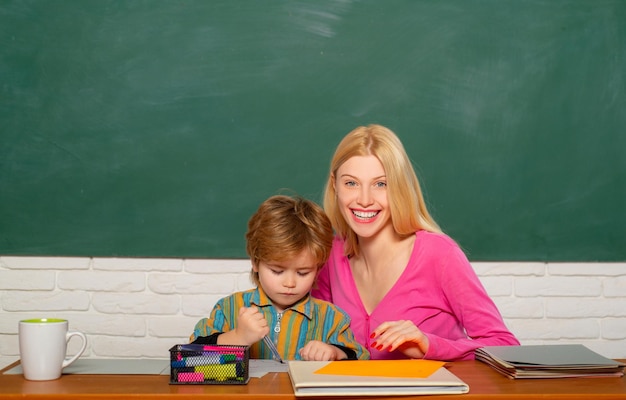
{"points": [[155, 128]]}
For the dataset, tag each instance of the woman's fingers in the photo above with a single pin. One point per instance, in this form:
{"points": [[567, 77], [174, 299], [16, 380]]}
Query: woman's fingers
{"points": [[392, 334]]}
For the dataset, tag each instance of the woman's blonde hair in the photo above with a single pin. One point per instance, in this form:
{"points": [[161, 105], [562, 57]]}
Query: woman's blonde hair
{"points": [[406, 202], [284, 226]]}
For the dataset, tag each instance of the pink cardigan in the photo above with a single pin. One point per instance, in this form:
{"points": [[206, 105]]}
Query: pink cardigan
{"points": [[438, 290]]}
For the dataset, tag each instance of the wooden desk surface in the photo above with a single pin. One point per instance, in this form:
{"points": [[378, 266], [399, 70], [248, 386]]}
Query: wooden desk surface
{"points": [[484, 383]]}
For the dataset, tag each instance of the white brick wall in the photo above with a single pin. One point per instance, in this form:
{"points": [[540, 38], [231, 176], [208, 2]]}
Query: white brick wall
{"points": [[141, 307], [561, 302]]}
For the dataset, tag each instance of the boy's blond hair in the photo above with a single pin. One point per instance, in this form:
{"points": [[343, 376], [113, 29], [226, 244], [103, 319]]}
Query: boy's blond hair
{"points": [[284, 226]]}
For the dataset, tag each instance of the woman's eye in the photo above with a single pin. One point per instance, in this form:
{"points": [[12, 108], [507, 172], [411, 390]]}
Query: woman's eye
{"points": [[350, 183], [380, 184]]}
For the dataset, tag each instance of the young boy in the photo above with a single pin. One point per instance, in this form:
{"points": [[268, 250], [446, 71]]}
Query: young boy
{"points": [[288, 240]]}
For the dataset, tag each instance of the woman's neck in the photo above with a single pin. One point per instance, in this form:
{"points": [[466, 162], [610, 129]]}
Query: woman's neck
{"points": [[379, 265], [387, 245]]}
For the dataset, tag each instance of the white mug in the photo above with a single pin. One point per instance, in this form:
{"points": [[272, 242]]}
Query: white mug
{"points": [[43, 347]]}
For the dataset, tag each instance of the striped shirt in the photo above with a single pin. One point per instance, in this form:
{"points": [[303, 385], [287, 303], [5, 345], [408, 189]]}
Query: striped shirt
{"points": [[309, 319]]}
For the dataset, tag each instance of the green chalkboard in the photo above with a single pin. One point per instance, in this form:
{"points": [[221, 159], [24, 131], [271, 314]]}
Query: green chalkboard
{"points": [[155, 128]]}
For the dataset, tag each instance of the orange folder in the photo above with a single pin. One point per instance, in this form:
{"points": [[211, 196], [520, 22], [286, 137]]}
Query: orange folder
{"points": [[383, 368]]}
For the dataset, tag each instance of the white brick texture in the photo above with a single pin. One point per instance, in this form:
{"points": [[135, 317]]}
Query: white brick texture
{"points": [[141, 307]]}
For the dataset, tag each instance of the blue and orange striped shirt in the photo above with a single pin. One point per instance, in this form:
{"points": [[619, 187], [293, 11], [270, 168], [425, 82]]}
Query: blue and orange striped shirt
{"points": [[309, 319]]}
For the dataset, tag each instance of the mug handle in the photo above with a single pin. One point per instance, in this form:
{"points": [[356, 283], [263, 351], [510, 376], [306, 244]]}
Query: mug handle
{"points": [[68, 335]]}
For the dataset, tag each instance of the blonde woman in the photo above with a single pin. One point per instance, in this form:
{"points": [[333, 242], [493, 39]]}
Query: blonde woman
{"points": [[408, 288]]}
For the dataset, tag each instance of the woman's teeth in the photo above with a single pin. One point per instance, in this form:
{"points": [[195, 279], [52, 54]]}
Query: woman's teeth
{"points": [[365, 214]]}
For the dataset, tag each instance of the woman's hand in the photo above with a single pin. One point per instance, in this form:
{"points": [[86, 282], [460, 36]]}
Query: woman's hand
{"points": [[401, 335], [320, 351]]}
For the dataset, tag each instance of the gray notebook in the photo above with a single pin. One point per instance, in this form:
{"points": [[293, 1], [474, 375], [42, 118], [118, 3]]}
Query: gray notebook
{"points": [[119, 366], [548, 361]]}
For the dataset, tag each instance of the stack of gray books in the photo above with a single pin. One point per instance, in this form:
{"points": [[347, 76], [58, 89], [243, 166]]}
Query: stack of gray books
{"points": [[549, 361]]}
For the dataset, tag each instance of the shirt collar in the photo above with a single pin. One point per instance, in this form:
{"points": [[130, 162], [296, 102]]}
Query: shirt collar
{"points": [[304, 306]]}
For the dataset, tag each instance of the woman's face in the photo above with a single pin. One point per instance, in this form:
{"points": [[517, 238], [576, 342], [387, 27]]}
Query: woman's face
{"points": [[361, 187]]}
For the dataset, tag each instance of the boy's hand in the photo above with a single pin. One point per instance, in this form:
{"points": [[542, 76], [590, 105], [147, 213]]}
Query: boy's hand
{"points": [[251, 327], [320, 351]]}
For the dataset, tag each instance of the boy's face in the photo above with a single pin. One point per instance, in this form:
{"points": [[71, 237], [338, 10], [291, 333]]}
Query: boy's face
{"points": [[286, 282]]}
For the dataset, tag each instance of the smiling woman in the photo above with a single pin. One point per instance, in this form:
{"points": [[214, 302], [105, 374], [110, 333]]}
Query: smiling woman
{"points": [[361, 188], [406, 285]]}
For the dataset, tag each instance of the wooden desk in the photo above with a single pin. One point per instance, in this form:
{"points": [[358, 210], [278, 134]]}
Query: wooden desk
{"points": [[484, 383]]}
